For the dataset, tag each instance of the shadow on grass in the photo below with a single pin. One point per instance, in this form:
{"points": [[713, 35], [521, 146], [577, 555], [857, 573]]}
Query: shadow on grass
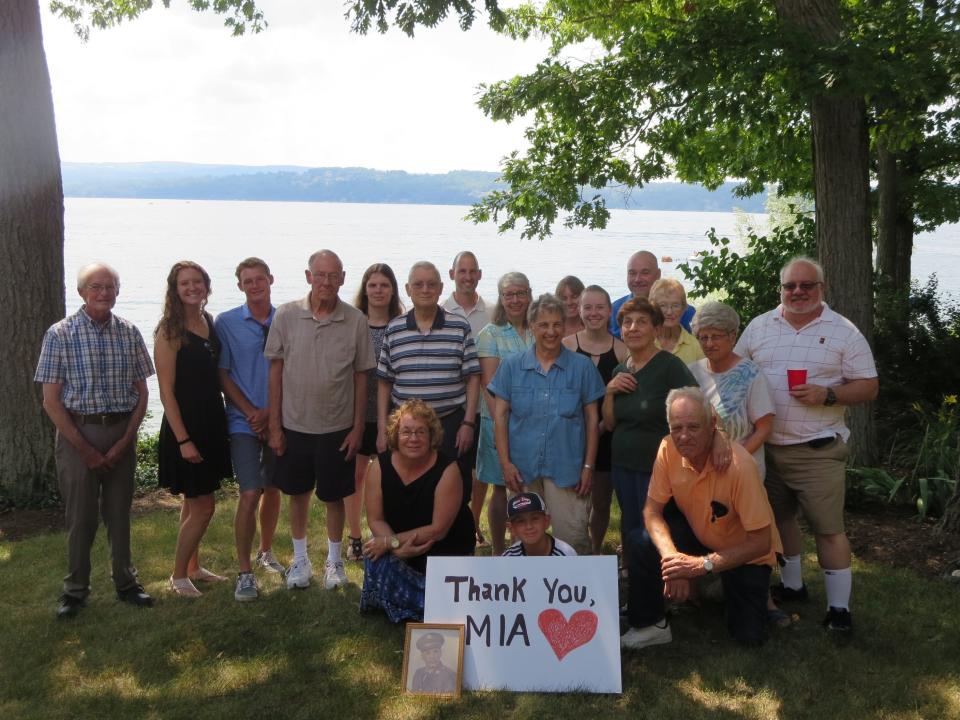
{"points": [[306, 654]]}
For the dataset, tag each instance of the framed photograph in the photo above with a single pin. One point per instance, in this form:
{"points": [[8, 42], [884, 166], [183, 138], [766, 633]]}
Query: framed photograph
{"points": [[433, 659]]}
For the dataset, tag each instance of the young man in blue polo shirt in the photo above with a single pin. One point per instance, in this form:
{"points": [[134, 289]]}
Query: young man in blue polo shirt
{"points": [[244, 373]]}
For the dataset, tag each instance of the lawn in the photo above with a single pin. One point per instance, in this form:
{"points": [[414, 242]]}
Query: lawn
{"points": [[309, 654]]}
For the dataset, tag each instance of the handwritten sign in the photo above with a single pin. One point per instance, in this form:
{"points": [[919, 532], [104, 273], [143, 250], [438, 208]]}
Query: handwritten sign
{"points": [[547, 623]]}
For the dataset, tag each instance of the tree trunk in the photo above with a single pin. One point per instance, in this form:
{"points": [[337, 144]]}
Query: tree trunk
{"points": [[949, 523], [841, 163], [31, 249], [894, 230]]}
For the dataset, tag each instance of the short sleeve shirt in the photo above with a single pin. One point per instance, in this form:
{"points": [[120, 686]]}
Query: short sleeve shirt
{"points": [[242, 342], [546, 430], [478, 316], [97, 364], [703, 496], [320, 358], [641, 415], [433, 366], [741, 396], [500, 341], [687, 348], [832, 351]]}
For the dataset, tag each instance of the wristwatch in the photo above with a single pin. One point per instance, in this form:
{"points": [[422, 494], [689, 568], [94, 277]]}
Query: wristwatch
{"points": [[831, 398], [707, 564], [394, 542]]}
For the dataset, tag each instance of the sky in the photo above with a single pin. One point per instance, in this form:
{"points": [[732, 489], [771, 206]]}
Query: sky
{"points": [[174, 85]]}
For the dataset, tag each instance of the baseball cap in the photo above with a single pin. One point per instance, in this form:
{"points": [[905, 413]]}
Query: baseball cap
{"points": [[525, 502]]}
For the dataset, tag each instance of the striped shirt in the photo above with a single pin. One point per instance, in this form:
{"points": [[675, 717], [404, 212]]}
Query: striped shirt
{"points": [[832, 351], [97, 364], [558, 548], [432, 366]]}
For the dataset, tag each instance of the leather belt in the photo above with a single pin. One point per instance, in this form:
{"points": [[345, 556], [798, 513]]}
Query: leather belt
{"points": [[101, 418]]}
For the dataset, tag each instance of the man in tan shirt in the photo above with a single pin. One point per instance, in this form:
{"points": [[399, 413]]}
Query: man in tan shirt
{"points": [[320, 351]]}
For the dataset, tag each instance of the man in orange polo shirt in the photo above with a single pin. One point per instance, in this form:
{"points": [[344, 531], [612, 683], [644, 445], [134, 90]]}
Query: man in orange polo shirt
{"points": [[716, 522]]}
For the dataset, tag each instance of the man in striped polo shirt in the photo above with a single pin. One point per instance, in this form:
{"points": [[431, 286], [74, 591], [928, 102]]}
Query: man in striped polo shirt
{"points": [[817, 363], [429, 354]]}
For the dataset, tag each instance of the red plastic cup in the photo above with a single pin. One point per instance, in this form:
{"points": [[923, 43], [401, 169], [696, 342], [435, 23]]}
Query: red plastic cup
{"points": [[796, 377]]}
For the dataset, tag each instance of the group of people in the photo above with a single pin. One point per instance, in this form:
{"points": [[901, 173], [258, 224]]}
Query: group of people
{"points": [[558, 401]]}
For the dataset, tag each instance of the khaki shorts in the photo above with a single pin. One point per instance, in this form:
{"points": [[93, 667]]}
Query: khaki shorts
{"points": [[811, 479], [569, 513]]}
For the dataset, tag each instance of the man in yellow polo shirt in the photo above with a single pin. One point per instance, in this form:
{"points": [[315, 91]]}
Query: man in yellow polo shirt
{"points": [[700, 521]]}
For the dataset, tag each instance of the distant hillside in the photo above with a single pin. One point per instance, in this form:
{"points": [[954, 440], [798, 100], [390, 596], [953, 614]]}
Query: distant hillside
{"points": [[186, 181]]}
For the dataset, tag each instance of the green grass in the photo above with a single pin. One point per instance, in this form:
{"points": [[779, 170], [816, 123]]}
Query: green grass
{"points": [[309, 654]]}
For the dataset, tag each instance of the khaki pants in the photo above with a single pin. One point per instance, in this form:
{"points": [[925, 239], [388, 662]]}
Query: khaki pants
{"points": [[569, 513], [90, 494]]}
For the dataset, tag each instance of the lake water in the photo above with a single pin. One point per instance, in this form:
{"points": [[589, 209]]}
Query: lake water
{"points": [[143, 238]]}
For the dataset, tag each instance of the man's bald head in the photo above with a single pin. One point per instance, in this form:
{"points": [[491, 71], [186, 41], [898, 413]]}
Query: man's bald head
{"points": [[642, 272]]}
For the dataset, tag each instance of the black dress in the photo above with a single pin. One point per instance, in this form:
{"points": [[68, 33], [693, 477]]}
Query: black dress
{"points": [[605, 364], [406, 507], [197, 391]]}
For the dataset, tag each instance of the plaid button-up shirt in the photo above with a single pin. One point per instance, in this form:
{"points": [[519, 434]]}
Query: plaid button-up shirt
{"points": [[97, 364]]}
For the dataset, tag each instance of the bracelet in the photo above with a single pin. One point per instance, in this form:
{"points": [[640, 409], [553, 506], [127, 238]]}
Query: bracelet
{"points": [[184, 441], [470, 424], [587, 466]]}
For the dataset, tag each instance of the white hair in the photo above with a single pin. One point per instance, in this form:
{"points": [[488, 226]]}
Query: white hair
{"points": [[423, 265], [87, 270], [695, 395], [803, 259]]}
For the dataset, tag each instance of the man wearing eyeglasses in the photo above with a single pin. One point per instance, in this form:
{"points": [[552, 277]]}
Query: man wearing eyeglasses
{"points": [[429, 354], [722, 524], [320, 351], [244, 373], [817, 363], [94, 366]]}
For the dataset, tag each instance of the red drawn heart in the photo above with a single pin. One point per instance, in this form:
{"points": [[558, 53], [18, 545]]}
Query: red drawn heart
{"points": [[565, 636]]}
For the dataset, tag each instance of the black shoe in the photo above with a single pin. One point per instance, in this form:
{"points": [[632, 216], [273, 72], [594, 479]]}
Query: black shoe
{"points": [[780, 594], [69, 606], [838, 621], [135, 596]]}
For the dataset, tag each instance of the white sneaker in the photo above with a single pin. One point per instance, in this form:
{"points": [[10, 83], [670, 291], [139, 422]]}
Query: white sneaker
{"points": [[299, 574], [637, 638], [246, 589], [334, 575], [268, 561]]}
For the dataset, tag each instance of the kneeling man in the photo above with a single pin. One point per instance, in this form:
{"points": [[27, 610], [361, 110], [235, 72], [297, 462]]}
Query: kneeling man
{"points": [[718, 522]]}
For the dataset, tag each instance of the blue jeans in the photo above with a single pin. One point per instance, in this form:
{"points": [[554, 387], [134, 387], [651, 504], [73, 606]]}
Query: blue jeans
{"points": [[631, 488]]}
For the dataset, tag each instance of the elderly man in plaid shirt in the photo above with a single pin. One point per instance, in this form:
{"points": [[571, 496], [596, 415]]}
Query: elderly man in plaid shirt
{"points": [[94, 366]]}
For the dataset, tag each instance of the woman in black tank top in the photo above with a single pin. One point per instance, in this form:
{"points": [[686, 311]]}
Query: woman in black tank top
{"points": [[606, 351], [415, 508]]}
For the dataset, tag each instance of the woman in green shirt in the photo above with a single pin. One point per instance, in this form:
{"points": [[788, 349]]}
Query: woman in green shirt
{"points": [[634, 407]]}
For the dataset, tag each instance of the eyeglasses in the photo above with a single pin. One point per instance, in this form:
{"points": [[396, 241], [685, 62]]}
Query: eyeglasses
{"points": [[709, 339], [98, 288], [805, 286], [425, 285], [331, 277], [670, 307], [516, 295], [418, 433]]}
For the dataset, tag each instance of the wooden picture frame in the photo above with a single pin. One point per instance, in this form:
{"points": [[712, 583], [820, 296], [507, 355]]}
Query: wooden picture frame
{"points": [[440, 645]]}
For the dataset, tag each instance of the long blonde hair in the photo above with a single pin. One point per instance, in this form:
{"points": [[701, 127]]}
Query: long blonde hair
{"points": [[172, 324]]}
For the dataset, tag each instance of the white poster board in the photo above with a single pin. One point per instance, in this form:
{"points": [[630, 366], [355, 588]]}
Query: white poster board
{"points": [[547, 623]]}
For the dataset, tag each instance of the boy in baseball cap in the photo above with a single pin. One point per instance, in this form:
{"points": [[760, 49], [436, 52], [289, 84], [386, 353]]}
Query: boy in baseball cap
{"points": [[528, 520]]}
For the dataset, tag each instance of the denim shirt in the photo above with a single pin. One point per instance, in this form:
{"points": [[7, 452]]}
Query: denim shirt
{"points": [[547, 431]]}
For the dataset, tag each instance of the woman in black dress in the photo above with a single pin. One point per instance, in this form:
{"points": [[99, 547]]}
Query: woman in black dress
{"points": [[194, 453], [606, 351], [415, 508]]}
